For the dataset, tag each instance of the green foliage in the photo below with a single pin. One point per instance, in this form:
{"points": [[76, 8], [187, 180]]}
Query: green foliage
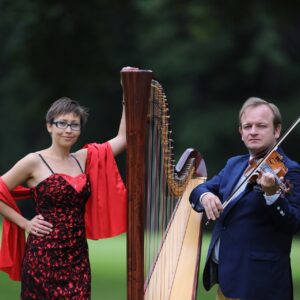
{"points": [[210, 57], [54, 49]]}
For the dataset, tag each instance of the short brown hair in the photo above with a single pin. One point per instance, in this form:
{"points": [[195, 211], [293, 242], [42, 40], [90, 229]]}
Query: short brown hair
{"points": [[254, 101], [64, 106]]}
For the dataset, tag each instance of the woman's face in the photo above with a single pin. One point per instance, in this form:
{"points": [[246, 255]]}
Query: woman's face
{"points": [[65, 129]]}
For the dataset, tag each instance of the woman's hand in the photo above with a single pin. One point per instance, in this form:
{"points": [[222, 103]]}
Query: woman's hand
{"points": [[129, 69], [118, 143], [38, 226]]}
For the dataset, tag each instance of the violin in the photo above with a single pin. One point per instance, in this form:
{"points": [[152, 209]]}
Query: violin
{"points": [[271, 162], [271, 158]]}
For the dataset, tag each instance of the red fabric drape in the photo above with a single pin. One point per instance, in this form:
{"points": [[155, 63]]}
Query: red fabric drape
{"points": [[105, 214], [13, 237]]}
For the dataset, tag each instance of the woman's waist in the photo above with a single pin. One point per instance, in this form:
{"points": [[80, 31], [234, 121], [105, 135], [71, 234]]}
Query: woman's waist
{"points": [[58, 239], [62, 218]]}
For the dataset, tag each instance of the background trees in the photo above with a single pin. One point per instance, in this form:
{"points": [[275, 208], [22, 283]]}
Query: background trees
{"points": [[210, 56]]}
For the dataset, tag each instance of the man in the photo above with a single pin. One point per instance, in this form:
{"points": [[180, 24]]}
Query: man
{"points": [[249, 253]]}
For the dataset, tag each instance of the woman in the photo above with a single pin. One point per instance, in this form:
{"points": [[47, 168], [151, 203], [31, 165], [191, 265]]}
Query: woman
{"points": [[77, 196]]}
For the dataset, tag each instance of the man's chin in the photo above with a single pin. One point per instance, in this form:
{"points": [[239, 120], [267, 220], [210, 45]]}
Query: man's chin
{"points": [[257, 151]]}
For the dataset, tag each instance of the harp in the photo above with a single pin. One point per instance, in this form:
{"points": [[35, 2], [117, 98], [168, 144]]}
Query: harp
{"points": [[164, 233]]}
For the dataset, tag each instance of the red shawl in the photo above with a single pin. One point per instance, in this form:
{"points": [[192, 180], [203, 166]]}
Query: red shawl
{"points": [[105, 214]]}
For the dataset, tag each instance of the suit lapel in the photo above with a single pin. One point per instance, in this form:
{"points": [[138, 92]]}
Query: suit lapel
{"points": [[235, 174]]}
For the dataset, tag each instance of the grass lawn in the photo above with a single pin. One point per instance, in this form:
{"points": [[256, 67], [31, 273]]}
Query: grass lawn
{"points": [[108, 265]]}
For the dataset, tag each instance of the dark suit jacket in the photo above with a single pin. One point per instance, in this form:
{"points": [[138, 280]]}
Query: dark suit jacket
{"points": [[255, 239]]}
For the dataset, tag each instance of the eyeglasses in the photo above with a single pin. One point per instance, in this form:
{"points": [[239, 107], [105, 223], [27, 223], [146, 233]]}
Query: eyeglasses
{"points": [[65, 125]]}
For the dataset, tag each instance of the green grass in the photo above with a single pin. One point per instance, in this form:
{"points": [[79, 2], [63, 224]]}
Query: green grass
{"points": [[108, 263]]}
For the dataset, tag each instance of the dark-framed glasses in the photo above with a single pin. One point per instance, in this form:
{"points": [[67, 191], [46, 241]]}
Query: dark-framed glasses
{"points": [[65, 125]]}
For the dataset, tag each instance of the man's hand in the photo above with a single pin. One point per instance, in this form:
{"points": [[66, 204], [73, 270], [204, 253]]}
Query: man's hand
{"points": [[212, 205], [268, 183]]}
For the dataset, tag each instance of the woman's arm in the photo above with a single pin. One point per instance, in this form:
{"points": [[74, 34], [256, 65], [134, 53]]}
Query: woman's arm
{"points": [[18, 174], [13, 216], [118, 143]]}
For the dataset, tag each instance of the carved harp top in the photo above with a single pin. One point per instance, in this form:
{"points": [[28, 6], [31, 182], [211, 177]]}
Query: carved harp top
{"points": [[164, 233]]}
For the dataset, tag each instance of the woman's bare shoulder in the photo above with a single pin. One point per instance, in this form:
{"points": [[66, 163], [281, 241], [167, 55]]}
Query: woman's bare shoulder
{"points": [[81, 155], [29, 161], [81, 152], [21, 171], [32, 158]]}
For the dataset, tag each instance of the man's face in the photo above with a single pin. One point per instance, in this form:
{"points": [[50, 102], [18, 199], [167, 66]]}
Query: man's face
{"points": [[257, 129]]}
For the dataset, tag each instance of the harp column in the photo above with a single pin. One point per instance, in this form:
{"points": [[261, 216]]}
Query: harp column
{"points": [[136, 92]]}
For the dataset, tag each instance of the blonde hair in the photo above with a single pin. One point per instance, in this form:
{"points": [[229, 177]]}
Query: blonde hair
{"points": [[254, 102]]}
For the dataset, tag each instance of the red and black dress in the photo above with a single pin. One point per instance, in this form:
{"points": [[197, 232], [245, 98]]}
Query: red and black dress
{"points": [[56, 266]]}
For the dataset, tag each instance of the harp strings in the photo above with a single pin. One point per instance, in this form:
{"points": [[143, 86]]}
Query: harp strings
{"points": [[163, 235]]}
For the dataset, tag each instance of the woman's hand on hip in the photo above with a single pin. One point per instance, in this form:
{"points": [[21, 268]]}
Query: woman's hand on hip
{"points": [[38, 226]]}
